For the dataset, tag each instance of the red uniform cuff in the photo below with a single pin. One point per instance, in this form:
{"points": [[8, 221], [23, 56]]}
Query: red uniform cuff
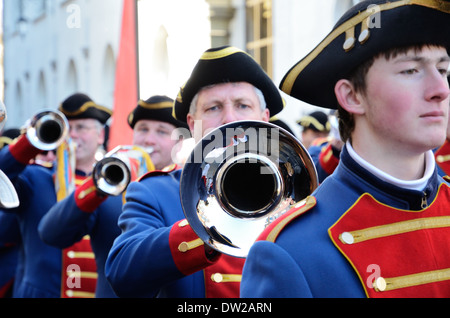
{"points": [[22, 150], [187, 249], [327, 160], [87, 197]]}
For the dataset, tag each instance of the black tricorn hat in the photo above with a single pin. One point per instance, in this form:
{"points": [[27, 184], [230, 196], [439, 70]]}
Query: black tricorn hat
{"points": [[8, 136], [157, 107], [227, 64], [81, 106], [317, 121], [367, 29]]}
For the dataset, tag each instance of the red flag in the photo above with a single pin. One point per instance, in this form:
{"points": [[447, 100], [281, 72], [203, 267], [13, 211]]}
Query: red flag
{"points": [[126, 84]]}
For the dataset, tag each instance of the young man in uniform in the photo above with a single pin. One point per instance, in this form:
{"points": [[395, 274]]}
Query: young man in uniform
{"points": [[379, 225], [158, 254], [90, 212]]}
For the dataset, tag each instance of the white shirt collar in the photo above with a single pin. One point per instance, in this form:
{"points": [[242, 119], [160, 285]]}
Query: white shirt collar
{"points": [[418, 184]]}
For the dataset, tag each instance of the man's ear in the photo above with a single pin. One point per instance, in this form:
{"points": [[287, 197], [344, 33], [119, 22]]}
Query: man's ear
{"points": [[190, 121], [347, 97], [266, 115]]}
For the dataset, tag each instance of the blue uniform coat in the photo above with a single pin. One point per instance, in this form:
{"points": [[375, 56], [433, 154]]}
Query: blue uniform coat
{"points": [[65, 224], [41, 263], [303, 261], [158, 254], [140, 262]]}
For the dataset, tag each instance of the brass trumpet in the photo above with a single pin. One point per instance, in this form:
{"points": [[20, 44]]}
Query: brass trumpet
{"points": [[47, 129], [239, 178], [119, 167]]}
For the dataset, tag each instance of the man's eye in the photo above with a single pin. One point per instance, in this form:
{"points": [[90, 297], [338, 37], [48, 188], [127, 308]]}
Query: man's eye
{"points": [[163, 132], [409, 71], [444, 72], [211, 108]]}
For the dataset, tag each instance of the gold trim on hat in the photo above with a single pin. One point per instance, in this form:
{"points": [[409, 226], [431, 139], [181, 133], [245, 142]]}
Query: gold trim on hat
{"points": [[212, 55], [443, 6], [160, 105], [5, 141], [310, 120], [85, 107]]}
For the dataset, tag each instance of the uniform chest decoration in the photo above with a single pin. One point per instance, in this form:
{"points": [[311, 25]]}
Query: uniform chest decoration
{"points": [[398, 253]]}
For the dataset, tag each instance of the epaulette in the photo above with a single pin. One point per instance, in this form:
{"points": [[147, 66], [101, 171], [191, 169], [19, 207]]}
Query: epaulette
{"points": [[446, 178], [272, 231], [164, 171]]}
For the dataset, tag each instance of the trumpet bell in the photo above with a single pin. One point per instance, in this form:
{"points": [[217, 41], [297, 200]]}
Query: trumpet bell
{"points": [[111, 176], [47, 129], [241, 177], [119, 167]]}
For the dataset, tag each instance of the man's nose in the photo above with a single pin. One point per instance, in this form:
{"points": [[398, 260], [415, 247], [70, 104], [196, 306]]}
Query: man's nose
{"points": [[438, 87], [229, 115]]}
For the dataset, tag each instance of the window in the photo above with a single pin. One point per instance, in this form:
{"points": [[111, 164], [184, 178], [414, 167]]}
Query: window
{"points": [[259, 32]]}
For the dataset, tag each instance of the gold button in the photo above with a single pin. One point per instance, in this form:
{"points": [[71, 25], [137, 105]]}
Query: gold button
{"points": [[183, 247], [217, 277], [379, 284]]}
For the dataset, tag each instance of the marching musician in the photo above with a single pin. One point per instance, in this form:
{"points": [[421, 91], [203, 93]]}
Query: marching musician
{"points": [[42, 268], [158, 254], [378, 226], [314, 125], [89, 211], [325, 152]]}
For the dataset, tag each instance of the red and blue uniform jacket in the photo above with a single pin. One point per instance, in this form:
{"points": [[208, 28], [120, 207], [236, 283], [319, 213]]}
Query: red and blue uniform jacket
{"points": [[158, 254], [82, 213], [42, 269], [356, 236], [325, 158]]}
